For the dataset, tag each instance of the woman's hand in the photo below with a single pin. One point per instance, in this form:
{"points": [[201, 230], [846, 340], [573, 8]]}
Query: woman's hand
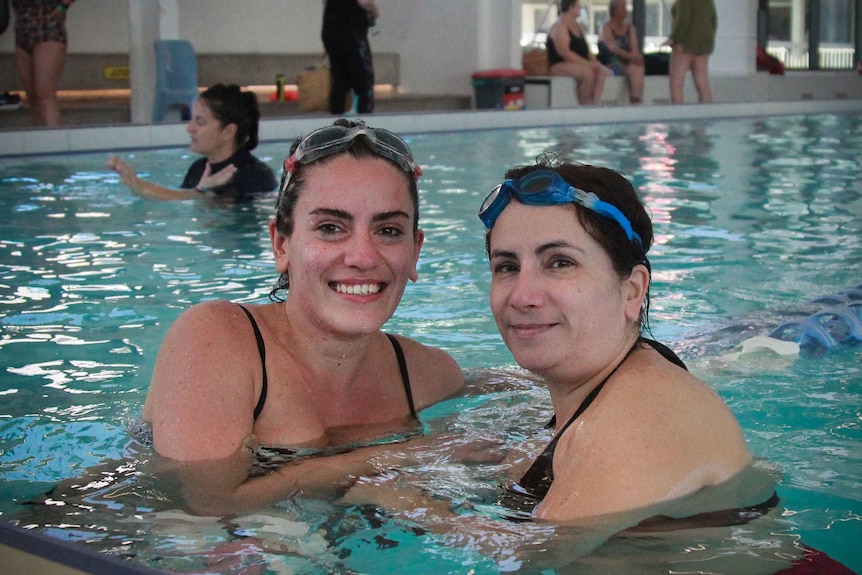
{"points": [[127, 174], [209, 180]]}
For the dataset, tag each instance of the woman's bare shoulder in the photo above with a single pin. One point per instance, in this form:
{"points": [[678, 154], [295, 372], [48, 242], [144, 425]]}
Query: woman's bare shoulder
{"points": [[208, 330], [673, 403], [215, 314]]}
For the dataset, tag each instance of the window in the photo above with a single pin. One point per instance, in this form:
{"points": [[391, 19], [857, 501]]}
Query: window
{"points": [[786, 30], [789, 33]]}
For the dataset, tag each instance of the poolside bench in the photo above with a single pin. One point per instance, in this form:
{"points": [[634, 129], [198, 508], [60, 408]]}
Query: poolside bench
{"points": [[261, 69], [82, 72], [107, 71], [559, 91], [549, 92]]}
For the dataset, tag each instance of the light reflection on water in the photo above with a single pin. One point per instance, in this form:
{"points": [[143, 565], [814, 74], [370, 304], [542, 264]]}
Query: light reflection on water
{"points": [[752, 217]]}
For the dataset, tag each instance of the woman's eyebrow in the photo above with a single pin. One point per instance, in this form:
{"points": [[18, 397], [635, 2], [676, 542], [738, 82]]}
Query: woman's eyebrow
{"points": [[538, 251], [383, 216], [503, 254], [333, 212], [557, 245]]}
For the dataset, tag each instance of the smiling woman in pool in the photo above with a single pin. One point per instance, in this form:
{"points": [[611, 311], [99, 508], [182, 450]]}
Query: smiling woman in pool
{"points": [[638, 439], [313, 370], [570, 294]]}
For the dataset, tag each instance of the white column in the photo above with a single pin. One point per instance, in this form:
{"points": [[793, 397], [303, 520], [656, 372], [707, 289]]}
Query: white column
{"points": [[148, 21], [736, 39], [498, 37]]}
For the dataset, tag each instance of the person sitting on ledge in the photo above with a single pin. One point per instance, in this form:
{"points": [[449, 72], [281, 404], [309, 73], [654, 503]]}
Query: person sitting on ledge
{"points": [[569, 54]]}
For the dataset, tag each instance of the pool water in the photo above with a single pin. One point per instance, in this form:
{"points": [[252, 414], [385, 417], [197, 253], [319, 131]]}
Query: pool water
{"points": [[754, 219]]}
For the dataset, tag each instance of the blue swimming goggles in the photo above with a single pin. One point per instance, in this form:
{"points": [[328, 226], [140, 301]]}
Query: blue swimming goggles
{"points": [[334, 139], [548, 188]]}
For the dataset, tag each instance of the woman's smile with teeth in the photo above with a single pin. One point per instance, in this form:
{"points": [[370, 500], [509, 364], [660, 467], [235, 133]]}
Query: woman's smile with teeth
{"points": [[357, 289]]}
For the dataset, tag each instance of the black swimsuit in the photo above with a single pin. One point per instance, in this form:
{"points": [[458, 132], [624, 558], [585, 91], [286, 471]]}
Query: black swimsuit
{"points": [[536, 482], [525, 495], [399, 353]]}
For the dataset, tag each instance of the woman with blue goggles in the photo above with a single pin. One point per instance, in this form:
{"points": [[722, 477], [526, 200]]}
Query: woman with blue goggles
{"points": [[635, 432]]}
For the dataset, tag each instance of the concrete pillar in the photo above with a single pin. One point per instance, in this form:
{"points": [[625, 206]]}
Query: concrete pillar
{"points": [[148, 21], [498, 38], [736, 39]]}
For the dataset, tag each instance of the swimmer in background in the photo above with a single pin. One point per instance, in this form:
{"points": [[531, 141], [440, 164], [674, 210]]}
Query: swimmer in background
{"points": [[224, 130], [313, 371]]}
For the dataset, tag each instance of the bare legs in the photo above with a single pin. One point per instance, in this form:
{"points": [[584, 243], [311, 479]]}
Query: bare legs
{"points": [[680, 64], [590, 79], [40, 75], [700, 75], [635, 73]]}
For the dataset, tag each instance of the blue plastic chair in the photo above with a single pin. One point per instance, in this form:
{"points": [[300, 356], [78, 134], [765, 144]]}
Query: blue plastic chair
{"points": [[176, 78]]}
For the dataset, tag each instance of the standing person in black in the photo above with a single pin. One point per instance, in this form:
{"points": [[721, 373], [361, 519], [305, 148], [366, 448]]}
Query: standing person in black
{"points": [[345, 38]]}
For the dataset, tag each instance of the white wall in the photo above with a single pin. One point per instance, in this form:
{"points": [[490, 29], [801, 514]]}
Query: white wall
{"points": [[736, 41], [441, 42]]}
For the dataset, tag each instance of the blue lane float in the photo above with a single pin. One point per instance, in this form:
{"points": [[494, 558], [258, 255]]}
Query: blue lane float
{"points": [[837, 321]]}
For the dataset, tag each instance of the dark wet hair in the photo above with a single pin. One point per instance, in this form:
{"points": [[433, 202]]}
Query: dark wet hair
{"points": [[566, 4], [614, 188], [287, 199], [230, 105]]}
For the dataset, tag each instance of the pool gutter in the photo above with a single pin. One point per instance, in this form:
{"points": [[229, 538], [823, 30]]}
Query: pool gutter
{"points": [[113, 138], [26, 551]]}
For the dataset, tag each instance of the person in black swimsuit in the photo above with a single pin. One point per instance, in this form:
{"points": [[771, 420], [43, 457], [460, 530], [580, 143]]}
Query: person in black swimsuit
{"points": [[634, 430], [569, 54], [223, 129], [312, 370]]}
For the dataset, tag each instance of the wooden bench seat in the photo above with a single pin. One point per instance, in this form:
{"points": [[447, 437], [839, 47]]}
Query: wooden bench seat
{"points": [[91, 71], [559, 91]]}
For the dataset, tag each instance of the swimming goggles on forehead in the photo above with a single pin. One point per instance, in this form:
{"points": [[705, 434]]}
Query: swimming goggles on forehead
{"points": [[334, 139], [548, 188]]}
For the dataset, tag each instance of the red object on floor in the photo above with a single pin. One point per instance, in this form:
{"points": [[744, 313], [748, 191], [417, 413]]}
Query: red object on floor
{"points": [[766, 61]]}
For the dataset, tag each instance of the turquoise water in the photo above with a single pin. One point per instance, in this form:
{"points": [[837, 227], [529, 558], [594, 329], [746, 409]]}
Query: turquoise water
{"points": [[754, 219]]}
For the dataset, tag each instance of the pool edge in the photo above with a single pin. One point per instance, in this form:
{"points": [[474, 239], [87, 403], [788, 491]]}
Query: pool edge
{"points": [[25, 551], [109, 138]]}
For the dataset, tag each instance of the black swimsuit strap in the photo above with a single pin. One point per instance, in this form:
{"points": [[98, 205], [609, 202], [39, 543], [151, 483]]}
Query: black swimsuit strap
{"points": [[405, 377], [538, 478], [399, 354], [261, 348], [665, 352], [536, 482]]}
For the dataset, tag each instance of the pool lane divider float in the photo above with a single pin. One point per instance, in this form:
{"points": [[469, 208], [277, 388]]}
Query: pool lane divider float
{"points": [[838, 321]]}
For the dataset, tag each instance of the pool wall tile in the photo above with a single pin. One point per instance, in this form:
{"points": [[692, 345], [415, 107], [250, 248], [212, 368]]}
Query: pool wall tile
{"points": [[12, 143], [163, 135], [94, 138], [45, 141]]}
